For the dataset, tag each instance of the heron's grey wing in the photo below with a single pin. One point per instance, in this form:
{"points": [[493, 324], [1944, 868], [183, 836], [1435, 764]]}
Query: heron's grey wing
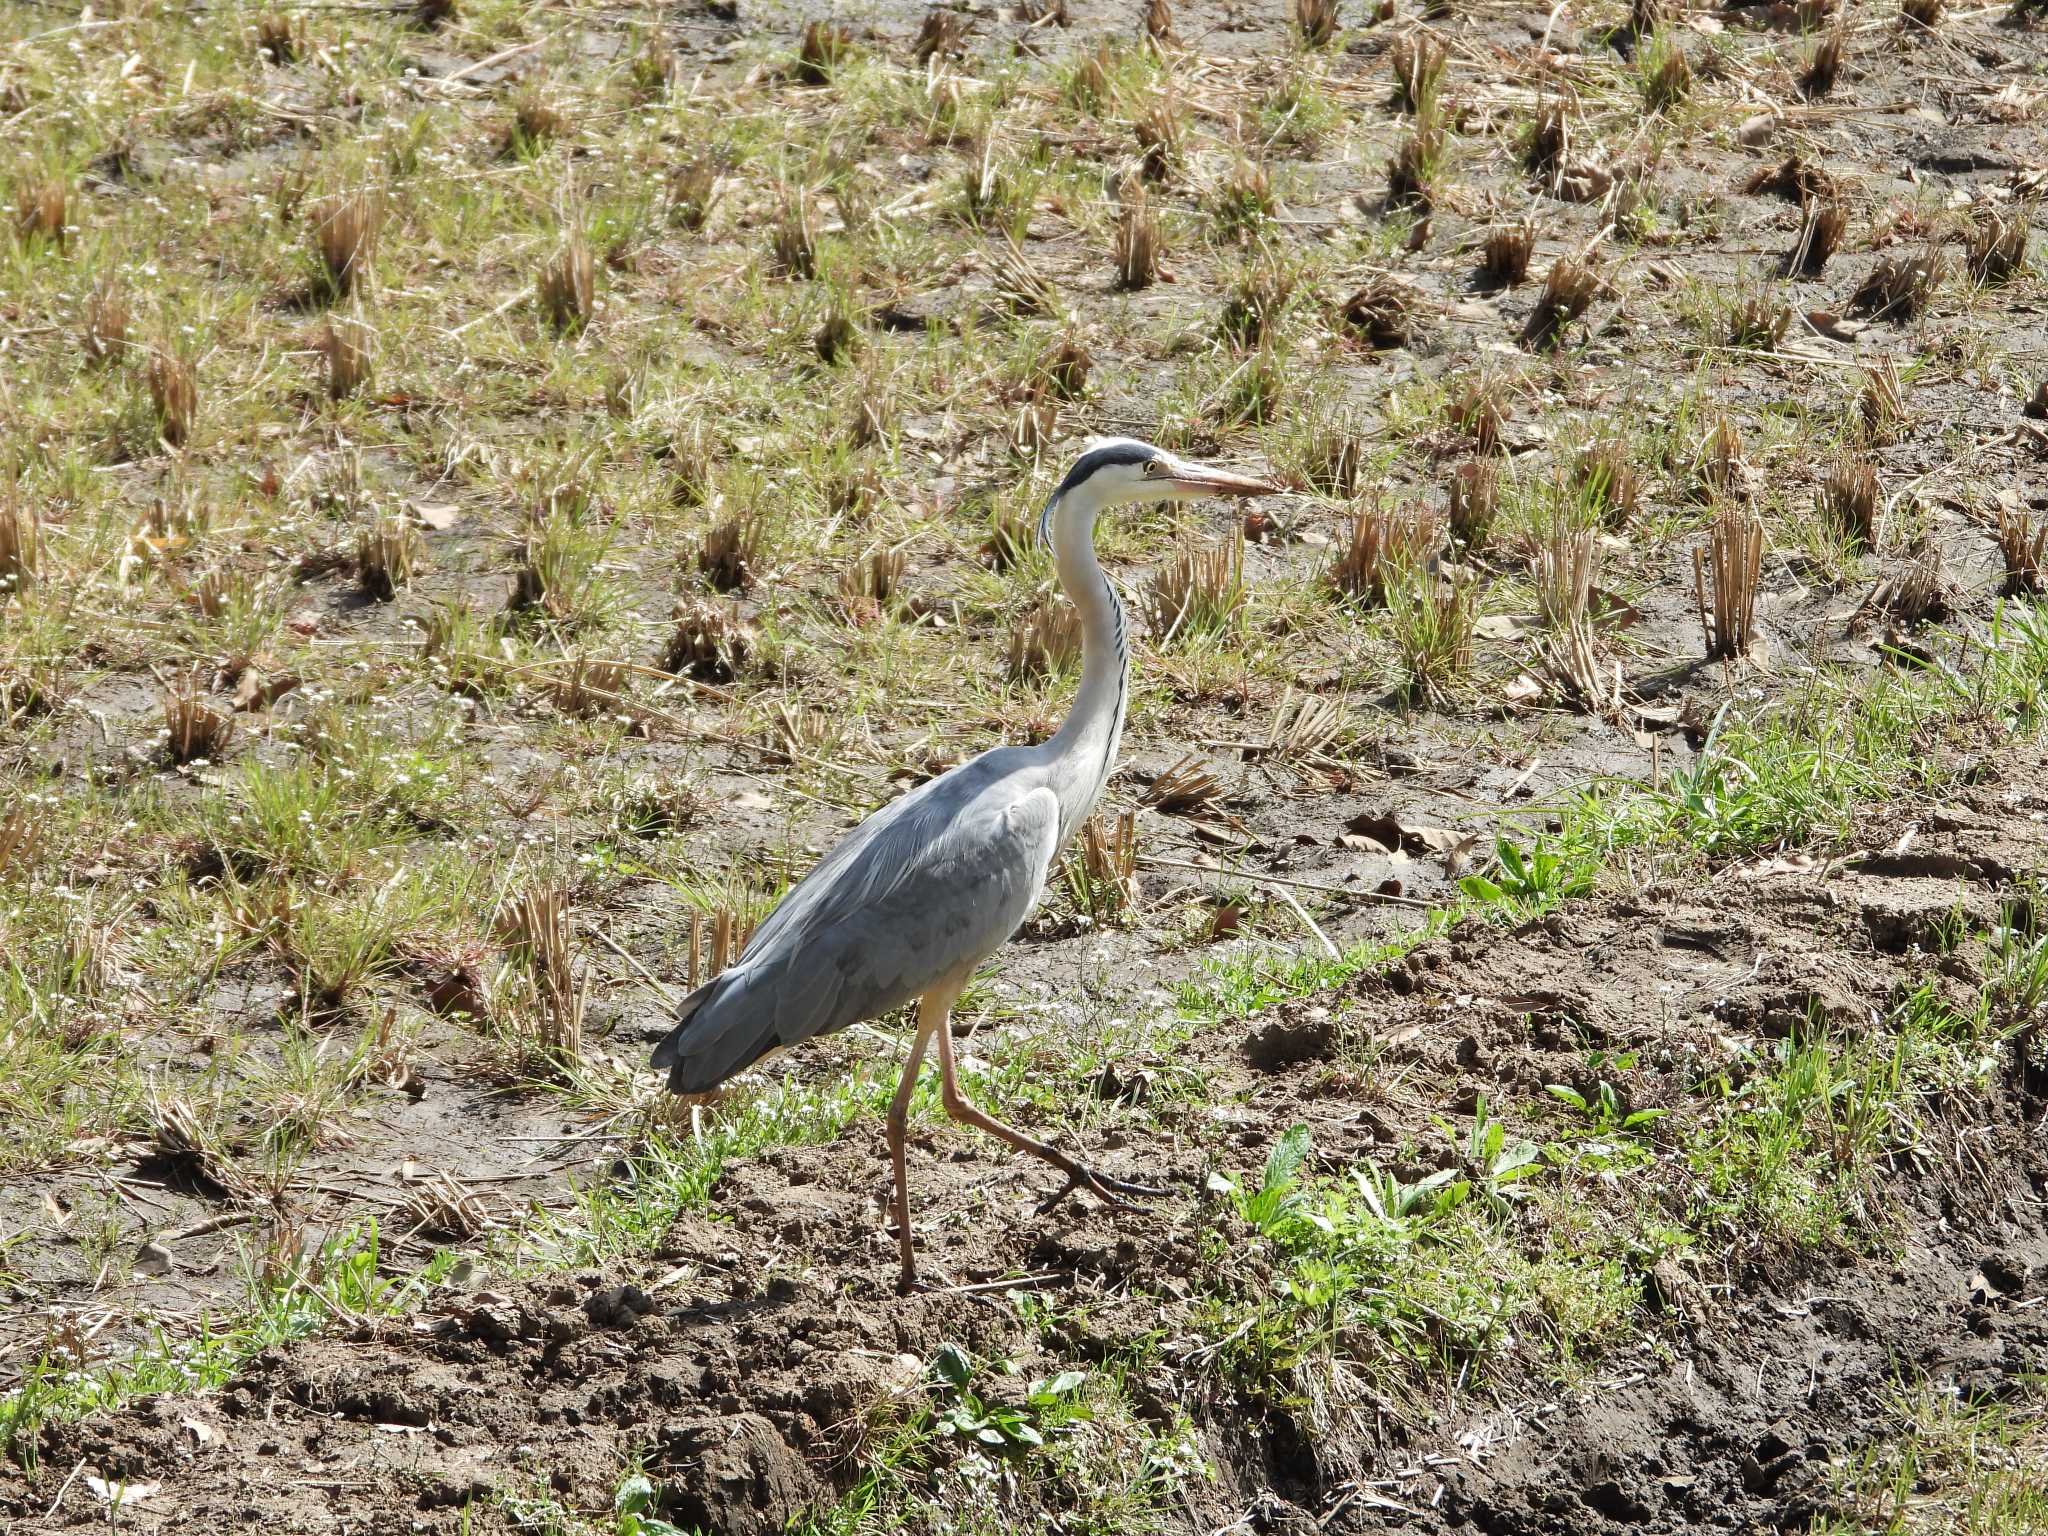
{"points": [[931, 888]]}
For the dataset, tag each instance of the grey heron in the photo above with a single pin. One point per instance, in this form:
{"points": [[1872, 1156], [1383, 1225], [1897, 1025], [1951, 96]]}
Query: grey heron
{"points": [[911, 901]]}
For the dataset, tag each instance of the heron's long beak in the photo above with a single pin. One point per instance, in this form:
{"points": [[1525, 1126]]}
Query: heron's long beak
{"points": [[1200, 480]]}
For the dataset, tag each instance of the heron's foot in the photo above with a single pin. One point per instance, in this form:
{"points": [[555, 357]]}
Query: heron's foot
{"points": [[1118, 1194]]}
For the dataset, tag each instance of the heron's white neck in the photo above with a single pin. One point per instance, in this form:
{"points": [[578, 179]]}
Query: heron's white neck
{"points": [[1081, 754]]}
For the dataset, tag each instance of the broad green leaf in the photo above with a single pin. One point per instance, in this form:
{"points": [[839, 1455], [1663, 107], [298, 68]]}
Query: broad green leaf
{"points": [[953, 1365]]}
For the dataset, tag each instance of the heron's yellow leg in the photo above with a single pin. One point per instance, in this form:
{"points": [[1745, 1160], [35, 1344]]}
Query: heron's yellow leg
{"points": [[899, 1128], [1079, 1175]]}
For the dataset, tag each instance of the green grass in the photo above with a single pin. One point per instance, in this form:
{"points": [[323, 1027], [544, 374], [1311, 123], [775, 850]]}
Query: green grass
{"points": [[1794, 772], [977, 1444], [1940, 1464], [291, 1298], [1244, 984], [1323, 1279]]}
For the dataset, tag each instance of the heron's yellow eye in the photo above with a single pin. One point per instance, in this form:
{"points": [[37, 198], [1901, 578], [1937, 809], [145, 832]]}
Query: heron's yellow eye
{"points": [[1153, 469]]}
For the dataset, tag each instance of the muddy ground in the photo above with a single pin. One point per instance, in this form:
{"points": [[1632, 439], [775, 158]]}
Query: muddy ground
{"points": [[749, 1355]]}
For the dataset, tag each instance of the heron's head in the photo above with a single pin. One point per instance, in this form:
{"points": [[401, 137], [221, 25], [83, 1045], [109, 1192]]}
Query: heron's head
{"points": [[1122, 472]]}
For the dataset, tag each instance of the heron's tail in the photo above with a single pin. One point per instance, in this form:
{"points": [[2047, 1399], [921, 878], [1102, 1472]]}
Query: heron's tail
{"points": [[709, 1044], [670, 1051]]}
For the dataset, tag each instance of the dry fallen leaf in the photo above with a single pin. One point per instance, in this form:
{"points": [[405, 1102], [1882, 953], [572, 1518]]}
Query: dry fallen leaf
{"points": [[1758, 129], [259, 689], [153, 1258], [1834, 326], [119, 1493], [1384, 828], [1782, 864], [1611, 612], [1506, 626], [437, 515]]}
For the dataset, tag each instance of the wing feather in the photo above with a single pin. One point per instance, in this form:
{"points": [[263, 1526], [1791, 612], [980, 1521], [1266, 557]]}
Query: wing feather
{"points": [[928, 886]]}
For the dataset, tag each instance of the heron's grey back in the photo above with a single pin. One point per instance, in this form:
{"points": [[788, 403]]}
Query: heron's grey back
{"points": [[925, 888]]}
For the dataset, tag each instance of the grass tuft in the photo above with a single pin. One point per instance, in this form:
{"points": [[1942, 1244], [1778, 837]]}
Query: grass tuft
{"points": [[710, 641], [41, 211], [869, 584], [1316, 21], [837, 340], [173, 394], [1606, 481], [1243, 204], [1725, 578], [1899, 287], [1916, 593], [1197, 591], [1850, 500], [1563, 570], [280, 40], [1418, 60], [1759, 320], [1382, 313], [536, 123], [1997, 249], [2022, 550], [1333, 457], [940, 36], [793, 246], [823, 49], [1046, 642], [195, 731], [568, 287], [1412, 172], [1259, 297], [1567, 290], [1824, 64], [1478, 409], [1433, 617], [1720, 464], [1821, 231], [1881, 413], [386, 554], [693, 192], [1137, 238], [1474, 504], [541, 989], [103, 329], [1385, 541], [1665, 75], [1548, 140], [1158, 132], [345, 229], [729, 554], [1102, 871], [21, 547], [347, 347], [1505, 255]]}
